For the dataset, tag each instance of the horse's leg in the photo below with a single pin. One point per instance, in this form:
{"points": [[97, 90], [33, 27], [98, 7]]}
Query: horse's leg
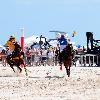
{"points": [[23, 64], [69, 65], [20, 70], [18, 65], [67, 70], [12, 68], [10, 63], [25, 68]]}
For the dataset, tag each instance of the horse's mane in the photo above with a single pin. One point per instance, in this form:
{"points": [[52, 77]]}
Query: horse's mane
{"points": [[67, 51]]}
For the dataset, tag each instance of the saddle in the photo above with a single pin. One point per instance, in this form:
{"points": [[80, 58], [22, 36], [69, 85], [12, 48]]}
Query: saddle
{"points": [[14, 56]]}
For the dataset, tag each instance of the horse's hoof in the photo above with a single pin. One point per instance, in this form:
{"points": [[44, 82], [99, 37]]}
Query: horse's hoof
{"points": [[67, 72], [14, 71], [68, 75]]}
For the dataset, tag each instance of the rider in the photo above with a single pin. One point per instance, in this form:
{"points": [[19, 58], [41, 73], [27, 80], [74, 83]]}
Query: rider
{"points": [[62, 44], [14, 47], [10, 42], [17, 50]]}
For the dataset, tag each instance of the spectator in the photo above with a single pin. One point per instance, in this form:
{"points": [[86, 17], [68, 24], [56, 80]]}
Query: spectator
{"points": [[28, 55], [50, 57]]}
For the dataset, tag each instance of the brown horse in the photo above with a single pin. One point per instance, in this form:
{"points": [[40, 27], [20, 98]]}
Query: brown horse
{"points": [[67, 56], [16, 61]]}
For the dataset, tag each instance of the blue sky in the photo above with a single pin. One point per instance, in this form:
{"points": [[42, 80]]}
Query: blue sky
{"points": [[41, 16]]}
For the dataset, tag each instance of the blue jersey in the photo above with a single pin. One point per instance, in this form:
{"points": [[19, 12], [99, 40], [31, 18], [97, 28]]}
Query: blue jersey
{"points": [[62, 42]]}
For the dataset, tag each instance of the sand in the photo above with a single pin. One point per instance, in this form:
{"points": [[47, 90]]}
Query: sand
{"points": [[49, 83]]}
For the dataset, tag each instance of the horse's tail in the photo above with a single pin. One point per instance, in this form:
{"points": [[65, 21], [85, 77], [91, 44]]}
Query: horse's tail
{"points": [[23, 65], [22, 62]]}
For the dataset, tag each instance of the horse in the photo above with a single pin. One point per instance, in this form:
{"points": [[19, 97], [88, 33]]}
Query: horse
{"points": [[16, 61], [67, 56], [16, 58]]}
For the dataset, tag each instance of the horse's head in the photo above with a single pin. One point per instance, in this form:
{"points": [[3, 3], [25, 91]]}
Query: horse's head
{"points": [[68, 51], [68, 47]]}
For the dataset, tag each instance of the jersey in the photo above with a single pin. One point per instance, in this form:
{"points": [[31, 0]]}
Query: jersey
{"points": [[62, 43]]}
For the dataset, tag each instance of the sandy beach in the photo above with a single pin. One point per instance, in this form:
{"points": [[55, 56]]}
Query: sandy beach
{"points": [[49, 83]]}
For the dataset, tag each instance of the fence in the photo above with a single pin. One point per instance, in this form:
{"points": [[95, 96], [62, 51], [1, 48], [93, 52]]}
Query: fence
{"points": [[34, 60], [84, 60], [89, 60]]}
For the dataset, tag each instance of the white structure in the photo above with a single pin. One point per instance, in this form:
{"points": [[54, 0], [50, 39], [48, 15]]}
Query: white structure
{"points": [[30, 40], [53, 43], [2, 47]]}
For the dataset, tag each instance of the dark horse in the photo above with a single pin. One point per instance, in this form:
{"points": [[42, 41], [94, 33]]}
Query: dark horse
{"points": [[16, 61], [16, 58], [67, 56]]}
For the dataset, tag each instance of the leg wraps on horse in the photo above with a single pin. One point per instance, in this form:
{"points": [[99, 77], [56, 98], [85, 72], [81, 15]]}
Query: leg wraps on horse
{"points": [[60, 58]]}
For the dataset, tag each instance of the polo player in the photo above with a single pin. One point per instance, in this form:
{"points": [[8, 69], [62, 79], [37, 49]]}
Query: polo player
{"points": [[17, 50], [14, 47], [62, 45], [10, 43]]}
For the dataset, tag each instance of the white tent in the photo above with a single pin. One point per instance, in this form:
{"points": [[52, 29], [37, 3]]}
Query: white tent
{"points": [[2, 47], [30, 40], [34, 38], [53, 43]]}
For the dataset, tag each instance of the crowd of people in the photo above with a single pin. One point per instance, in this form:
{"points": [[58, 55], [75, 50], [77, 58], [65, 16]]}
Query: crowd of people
{"points": [[39, 56], [35, 55], [32, 56]]}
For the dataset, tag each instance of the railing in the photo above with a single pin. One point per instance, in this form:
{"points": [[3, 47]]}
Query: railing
{"points": [[84, 60], [37, 60], [88, 60], [32, 61]]}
